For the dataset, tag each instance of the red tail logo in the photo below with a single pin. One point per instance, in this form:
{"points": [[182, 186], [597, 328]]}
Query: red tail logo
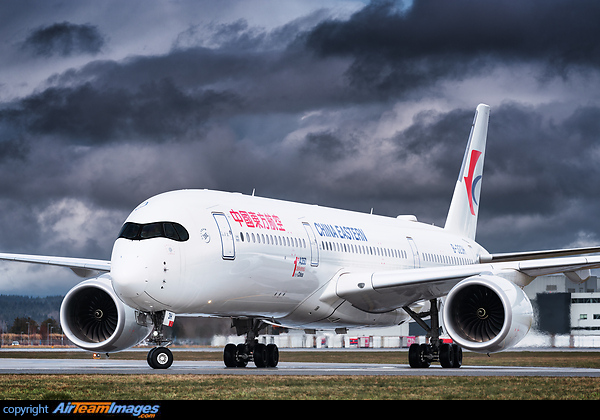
{"points": [[470, 182]]}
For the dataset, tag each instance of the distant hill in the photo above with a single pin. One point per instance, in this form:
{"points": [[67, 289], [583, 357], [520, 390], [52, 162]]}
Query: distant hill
{"points": [[38, 308]]}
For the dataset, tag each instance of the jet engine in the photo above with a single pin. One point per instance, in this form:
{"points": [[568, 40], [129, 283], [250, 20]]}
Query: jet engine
{"points": [[487, 314], [95, 319]]}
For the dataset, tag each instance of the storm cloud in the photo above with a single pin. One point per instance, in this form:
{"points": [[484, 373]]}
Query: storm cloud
{"points": [[65, 39], [337, 103]]}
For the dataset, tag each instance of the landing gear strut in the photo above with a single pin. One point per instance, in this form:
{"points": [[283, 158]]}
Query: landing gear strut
{"points": [[251, 350], [422, 355], [159, 357]]}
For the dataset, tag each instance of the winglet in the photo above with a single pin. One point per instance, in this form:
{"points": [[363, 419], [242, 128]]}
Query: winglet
{"points": [[464, 208]]}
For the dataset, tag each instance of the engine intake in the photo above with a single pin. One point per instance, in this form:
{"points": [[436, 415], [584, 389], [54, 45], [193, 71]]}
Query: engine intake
{"points": [[487, 314], [95, 319]]}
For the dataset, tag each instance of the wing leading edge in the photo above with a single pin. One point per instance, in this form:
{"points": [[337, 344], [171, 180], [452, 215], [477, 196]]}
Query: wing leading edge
{"points": [[532, 255], [80, 266]]}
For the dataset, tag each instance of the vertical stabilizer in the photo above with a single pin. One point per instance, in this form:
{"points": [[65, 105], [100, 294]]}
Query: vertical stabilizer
{"points": [[464, 208]]}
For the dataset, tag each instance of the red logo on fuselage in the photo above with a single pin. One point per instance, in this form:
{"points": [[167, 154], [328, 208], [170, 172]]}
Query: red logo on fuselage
{"points": [[257, 220]]}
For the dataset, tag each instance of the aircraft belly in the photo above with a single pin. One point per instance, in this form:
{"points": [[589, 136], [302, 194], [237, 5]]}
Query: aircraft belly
{"points": [[344, 315]]}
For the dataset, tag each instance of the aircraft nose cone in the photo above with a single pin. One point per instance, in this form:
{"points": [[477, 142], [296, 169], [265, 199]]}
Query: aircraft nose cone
{"points": [[128, 279]]}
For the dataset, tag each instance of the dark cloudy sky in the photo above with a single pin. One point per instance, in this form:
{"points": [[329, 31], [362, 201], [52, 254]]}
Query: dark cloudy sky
{"points": [[350, 104]]}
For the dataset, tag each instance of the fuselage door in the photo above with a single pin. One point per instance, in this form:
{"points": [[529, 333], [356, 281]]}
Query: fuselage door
{"points": [[227, 241], [415, 252], [314, 246]]}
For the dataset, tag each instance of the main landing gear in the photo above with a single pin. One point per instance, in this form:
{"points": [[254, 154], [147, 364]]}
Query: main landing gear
{"points": [[159, 357], [251, 350], [422, 355]]}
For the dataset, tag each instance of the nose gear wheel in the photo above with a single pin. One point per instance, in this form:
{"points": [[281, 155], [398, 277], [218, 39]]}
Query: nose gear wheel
{"points": [[159, 357]]}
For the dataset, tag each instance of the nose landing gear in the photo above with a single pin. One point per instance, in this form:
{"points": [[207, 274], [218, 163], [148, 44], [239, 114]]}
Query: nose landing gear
{"points": [[159, 357], [241, 354]]}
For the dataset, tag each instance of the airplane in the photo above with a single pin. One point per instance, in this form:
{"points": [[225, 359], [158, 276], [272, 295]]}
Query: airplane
{"points": [[261, 262]]}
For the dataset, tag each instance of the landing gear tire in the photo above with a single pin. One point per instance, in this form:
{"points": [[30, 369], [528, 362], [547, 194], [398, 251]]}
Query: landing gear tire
{"points": [[272, 355], [457, 355], [241, 355], [419, 355], [450, 356], [260, 355], [160, 358], [447, 355], [229, 355]]}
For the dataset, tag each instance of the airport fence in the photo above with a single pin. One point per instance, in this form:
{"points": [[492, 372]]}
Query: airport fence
{"points": [[324, 341]]}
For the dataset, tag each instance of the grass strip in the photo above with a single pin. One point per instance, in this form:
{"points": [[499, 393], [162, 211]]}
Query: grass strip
{"points": [[235, 387]]}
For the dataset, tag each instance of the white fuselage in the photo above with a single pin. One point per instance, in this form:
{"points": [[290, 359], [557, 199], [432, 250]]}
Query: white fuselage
{"points": [[248, 256]]}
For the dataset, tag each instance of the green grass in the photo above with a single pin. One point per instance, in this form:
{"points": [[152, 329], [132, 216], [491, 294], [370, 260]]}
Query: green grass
{"points": [[201, 387]]}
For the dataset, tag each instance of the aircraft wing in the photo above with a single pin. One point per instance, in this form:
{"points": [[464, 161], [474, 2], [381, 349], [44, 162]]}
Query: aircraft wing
{"points": [[80, 266], [382, 291], [532, 255]]}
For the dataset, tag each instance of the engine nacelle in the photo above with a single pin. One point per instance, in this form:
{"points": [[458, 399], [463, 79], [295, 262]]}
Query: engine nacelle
{"points": [[487, 314], [95, 319]]}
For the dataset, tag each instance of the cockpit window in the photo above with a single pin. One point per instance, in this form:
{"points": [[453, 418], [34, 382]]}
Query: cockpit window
{"points": [[130, 231], [137, 232]]}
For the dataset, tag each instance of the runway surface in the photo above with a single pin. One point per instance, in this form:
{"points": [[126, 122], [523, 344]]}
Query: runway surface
{"points": [[107, 366]]}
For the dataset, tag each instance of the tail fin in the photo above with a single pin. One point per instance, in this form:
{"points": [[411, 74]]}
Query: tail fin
{"points": [[464, 208]]}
